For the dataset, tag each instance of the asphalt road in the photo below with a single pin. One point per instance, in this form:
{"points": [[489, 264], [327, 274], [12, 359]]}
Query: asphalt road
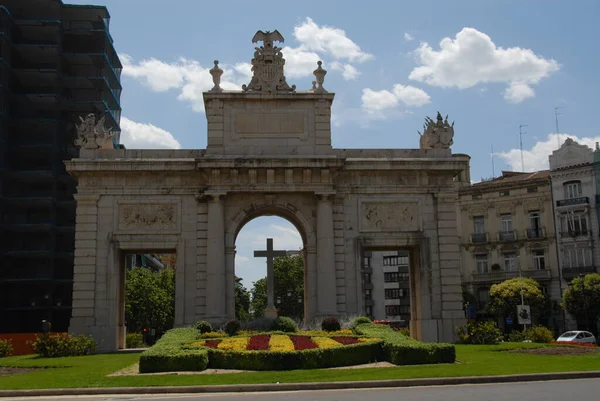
{"points": [[561, 390]]}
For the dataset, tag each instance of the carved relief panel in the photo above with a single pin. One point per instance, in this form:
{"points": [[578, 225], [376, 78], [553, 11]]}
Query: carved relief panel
{"points": [[143, 216], [390, 216]]}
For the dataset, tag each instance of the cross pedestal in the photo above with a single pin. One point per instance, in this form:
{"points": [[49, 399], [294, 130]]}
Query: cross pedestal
{"points": [[270, 254]]}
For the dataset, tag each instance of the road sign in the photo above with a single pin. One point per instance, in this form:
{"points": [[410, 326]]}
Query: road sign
{"points": [[509, 320], [524, 314]]}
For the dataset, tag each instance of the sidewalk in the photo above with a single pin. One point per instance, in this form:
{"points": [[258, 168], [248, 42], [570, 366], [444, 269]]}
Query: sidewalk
{"points": [[445, 381]]}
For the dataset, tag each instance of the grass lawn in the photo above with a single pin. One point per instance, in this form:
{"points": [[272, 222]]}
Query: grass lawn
{"points": [[473, 360]]}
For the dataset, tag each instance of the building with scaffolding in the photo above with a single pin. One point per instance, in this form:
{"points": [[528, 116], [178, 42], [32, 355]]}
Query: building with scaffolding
{"points": [[57, 62]]}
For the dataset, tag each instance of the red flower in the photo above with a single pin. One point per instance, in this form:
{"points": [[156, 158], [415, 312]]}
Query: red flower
{"points": [[346, 340], [212, 343], [258, 343], [573, 343], [303, 342]]}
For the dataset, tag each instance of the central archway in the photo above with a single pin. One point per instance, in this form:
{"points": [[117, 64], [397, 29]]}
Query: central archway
{"points": [[305, 227]]}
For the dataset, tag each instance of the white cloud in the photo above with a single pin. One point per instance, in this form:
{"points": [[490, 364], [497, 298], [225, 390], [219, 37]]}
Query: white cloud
{"points": [[239, 259], [349, 72], [376, 102], [408, 37], [537, 157], [517, 92], [329, 40], [188, 76], [146, 136], [299, 62], [472, 58]]}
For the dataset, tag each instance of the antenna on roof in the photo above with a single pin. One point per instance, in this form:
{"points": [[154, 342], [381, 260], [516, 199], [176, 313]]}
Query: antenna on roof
{"points": [[521, 145], [556, 114], [493, 169]]}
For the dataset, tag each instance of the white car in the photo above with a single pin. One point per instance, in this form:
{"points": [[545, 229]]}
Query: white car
{"points": [[578, 337]]}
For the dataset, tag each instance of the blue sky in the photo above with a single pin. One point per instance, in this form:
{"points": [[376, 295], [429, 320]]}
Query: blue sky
{"points": [[491, 65]]}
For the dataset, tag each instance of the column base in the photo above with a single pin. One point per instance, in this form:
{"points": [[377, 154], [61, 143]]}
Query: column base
{"points": [[270, 313]]}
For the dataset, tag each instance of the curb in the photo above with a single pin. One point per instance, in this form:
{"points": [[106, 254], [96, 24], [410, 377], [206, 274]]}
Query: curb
{"points": [[444, 381]]}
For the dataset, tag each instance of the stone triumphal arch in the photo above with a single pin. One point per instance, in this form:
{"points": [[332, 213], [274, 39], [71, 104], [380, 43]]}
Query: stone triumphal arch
{"points": [[268, 153]]}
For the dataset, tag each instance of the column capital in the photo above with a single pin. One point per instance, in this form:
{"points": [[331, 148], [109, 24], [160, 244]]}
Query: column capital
{"points": [[85, 198], [211, 196], [325, 196]]}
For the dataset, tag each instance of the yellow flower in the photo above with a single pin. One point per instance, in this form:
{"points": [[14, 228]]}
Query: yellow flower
{"points": [[344, 331], [326, 342], [198, 344], [234, 343], [282, 343], [366, 339], [213, 334]]}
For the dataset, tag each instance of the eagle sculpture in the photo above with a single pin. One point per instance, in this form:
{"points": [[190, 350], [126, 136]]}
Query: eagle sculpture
{"points": [[267, 37]]}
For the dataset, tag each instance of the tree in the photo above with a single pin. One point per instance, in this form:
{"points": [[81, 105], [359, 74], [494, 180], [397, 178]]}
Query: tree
{"points": [[242, 300], [149, 299], [582, 301], [289, 288], [505, 296]]}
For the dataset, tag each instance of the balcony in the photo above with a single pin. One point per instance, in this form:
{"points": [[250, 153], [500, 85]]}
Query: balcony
{"points": [[583, 200], [575, 233], [479, 238], [535, 233], [501, 275], [505, 236], [569, 273]]}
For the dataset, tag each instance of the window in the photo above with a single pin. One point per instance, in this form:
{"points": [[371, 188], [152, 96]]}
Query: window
{"points": [[396, 310], [506, 221], [572, 189], [394, 277], [504, 193], [532, 190], [574, 223], [395, 293], [535, 225], [395, 260], [577, 257], [476, 197], [482, 263], [510, 262], [478, 225], [367, 262], [539, 262], [483, 295], [368, 296]]}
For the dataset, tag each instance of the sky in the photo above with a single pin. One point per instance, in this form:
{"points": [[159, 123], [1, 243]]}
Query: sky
{"points": [[492, 66]]}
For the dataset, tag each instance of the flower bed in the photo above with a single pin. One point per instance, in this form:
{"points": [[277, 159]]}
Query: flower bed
{"points": [[279, 342], [573, 343]]}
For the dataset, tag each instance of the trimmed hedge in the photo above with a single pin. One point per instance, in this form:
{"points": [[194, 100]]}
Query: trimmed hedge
{"points": [[317, 358], [168, 355], [401, 350]]}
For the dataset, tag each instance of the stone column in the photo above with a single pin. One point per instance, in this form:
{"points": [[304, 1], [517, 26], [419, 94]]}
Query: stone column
{"points": [[326, 285], [230, 280], [216, 291]]}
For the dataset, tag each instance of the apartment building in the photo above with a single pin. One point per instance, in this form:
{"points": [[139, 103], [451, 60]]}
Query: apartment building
{"points": [[506, 230], [57, 63], [574, 190]]}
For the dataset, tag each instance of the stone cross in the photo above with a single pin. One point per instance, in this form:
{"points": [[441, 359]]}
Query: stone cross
{"points": [[270, 254]]}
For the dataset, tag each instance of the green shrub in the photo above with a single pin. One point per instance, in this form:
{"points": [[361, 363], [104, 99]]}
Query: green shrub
{"points": [[405, 331], [402, 350], [536, 334], [134, 340], [479, 333], [317, 358], [360, 320], [203, 327], [168, 355], [284, 324], [330, 324], [6, 348], [63, 344], [232, 327]]}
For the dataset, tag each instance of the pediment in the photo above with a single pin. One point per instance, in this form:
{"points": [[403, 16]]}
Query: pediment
{"points": [[571, 153]]}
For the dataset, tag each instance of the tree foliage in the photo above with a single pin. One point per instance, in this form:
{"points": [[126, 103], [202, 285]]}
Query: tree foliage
{"points": [[582, 300], [289, 288], [149, 299], [505, 296], [242, 300]]}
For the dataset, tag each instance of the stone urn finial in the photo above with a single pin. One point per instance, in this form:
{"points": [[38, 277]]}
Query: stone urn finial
{"points": [[314, 86], [320, 73], [216, 73]]}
